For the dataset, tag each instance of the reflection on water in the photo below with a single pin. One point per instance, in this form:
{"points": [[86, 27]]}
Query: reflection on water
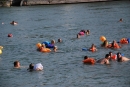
{"points": [[64, 68]]}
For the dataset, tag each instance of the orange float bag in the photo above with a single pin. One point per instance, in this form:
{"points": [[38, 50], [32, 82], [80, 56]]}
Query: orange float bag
{"points": [[116, 46], [114, 57], [124, 41], [45, 50], [89, 61], [92, 49]]}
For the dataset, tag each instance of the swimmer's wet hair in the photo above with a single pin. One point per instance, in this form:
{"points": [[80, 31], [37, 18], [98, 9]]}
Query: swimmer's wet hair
{"points": [[85, 57]]}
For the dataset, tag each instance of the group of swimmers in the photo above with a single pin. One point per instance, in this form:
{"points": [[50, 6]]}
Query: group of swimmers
{"points": [[108, 57], [46, 46], [32, 67], [115, 44], [87, 32], [38, 66], [106, 44], [83, 32]]}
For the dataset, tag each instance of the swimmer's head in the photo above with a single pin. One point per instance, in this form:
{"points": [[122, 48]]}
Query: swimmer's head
{"points": [[118, 54], [31, 66], [59, 40], [78, 36], [17, 64], [52, 41], [121, 20], [88, 31], [110, 53], [85, 57], [107, 56]]}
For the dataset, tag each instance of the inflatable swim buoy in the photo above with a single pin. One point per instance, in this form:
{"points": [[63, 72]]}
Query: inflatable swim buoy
{"points": [[124, 41], [102, 38], [81, 33], [93, 49], [114, 57], [116, 46], [45, 50], [89, 61]]}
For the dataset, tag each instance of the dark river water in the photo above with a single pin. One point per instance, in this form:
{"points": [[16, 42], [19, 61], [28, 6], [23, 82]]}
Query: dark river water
{"points": [[64, 68]]}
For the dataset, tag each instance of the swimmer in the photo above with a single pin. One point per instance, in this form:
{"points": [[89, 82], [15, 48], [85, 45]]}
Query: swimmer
{"points": [[105, 44], [14, 23], [88, 60], [50, 45], [78, 36], [121, 58], [87, 32], [121, 20], [104, 60], [52, 42], [112, 56], [83, 31], [114, 44], [16, 64], [59, 40], [93, 48], [10, 35], [36, 67]]}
